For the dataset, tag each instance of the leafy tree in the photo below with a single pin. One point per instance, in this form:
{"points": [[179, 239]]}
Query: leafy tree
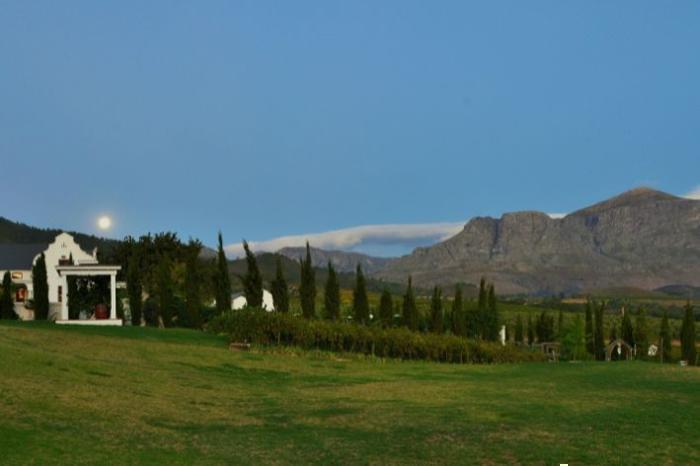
{"points": [[252, 280], [436, 311], [360, 303], [590, 341], [573, 340], [7, 307], [459, 321], [545, 327], [688, 350], [665, 337], [410, 312], [493, 322], [223, 280], [519, 336], [332, 294], [641, 332], [530, 331], [482, 294], [307, 287], [598, 335], [560, 325], [41, 289], [627, 329], [193, 292], [280, 292], [165, 293], [134, 285], [386, 308]]}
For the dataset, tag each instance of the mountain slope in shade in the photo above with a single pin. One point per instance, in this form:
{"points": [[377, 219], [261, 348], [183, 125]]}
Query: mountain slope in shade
{"points": [[642, 238], [19, 233], [342, 261]]}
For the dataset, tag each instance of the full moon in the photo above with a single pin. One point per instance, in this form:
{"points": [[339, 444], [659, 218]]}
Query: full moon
{"points": [[104, 222]]}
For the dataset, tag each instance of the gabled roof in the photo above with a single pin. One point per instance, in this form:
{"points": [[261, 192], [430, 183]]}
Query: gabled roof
{"points": [[19, 256]]}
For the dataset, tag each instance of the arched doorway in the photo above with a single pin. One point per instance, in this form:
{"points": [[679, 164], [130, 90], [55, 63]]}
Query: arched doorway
{"points": [[618, 348]]}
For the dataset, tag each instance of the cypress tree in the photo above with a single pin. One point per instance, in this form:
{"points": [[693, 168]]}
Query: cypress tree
{"points": [[7, 307], [41, 289], [134, 286], [386, 308], [590, 342], [280, 292], [519, 335], [410, 313], [458, 318], [165, 291], [332, 295], [493, 320], [436, 311], [530, 331], [688, 350], [223, 280], [360, 303], [665, 337], [598, 335], [627, 329], [307, 287], [252, 280], [560, 325], [641, 332], [193, 296]]}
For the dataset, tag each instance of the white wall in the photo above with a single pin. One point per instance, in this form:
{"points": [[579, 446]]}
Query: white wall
{"points": [[240, 302]]}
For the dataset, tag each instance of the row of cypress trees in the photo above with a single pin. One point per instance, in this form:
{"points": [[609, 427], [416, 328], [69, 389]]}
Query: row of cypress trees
{"points": [[7, 307]]}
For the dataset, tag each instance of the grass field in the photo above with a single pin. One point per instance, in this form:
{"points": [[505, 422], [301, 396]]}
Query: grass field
{"points": [[147, 396]]}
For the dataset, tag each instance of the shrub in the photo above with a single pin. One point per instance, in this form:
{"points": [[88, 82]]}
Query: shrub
{"points": [[272, 328]]}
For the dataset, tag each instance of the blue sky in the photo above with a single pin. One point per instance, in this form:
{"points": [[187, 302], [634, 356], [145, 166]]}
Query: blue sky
{"points": [[269, 119]]}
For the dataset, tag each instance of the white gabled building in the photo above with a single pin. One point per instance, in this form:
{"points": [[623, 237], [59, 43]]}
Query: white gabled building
{"points": [[64, 257]]}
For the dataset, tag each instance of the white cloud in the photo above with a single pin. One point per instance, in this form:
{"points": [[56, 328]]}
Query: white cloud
{"points": [[348, 238], [694, 194], [556, 215]]}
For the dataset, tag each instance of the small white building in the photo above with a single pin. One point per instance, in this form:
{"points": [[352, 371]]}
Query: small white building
{"points": [[64, 257], [238, 301]]}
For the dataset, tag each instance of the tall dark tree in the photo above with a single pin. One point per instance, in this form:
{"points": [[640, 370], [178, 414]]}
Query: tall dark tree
{"points": [[307, 287], [590, 341], [332, 295], [665, 337], [519, 333], [41, 289], [72, 295], [134, 285], [560, 325], [165, 295], [627, 329], [360, 303], [386, 309], [223, 280], [410, 312], [688, 349], [641, 332], [598, 334], [280, 292], [482, 294], [193, 282], [530, 331], [7, 307], [459, 321], [493, 321], [436, 316], [252, 280]]}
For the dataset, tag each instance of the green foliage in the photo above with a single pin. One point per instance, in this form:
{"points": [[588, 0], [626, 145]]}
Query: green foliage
{"points": [[688, 349], [41, 289], [590, 341], [165, 296], [134, 285], [560, 325], [519, 334], [627, 330], [436, 316], [7, 307], [193, 280], [280, 291], [360, 303], [386, 309], [530, 331], [544, 328], [573, 340], [222, 280], [252, 280], [492, 322], [74, 296], [267, 328], [410, 311], [598, 335], [641, 332], [665, 337], [332, 295], [307, 287], [459, 318]]}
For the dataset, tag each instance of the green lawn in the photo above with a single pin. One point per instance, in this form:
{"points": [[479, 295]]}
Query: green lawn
{"points": [[147, 396]]}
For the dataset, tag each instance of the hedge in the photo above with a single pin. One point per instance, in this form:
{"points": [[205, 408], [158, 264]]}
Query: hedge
{"points": [[272, 328]]}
